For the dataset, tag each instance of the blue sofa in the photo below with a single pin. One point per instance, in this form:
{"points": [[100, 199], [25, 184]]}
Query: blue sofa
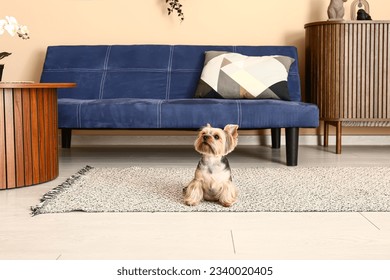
{"points": [[153, 86]]}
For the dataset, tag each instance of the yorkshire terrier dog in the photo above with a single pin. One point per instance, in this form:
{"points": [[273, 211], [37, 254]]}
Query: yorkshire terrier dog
{"points": [[213, 180]]}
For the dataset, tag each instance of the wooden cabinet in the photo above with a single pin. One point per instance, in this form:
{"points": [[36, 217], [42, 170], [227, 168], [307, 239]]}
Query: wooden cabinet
{"points": [[348, 73], [28, 133]]}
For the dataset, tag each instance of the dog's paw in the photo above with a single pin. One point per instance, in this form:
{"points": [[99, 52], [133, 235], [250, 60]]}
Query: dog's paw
{"points": [[193, 193], [229, 196], [191, 202], [227, 203]]}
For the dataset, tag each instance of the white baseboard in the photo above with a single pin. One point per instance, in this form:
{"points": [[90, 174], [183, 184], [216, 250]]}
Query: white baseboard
{"points": [[264, 140]]}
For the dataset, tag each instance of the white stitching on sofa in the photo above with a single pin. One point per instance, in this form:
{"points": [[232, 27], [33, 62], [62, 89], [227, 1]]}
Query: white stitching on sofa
{"points": [[169, 72], [104, 73], [78, 116], [239, 112], [159, 115]]}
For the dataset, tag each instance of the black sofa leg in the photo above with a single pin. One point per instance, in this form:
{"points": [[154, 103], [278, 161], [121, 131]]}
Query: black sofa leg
{"points": [[292, 141], [66, 137], [275, 138]]}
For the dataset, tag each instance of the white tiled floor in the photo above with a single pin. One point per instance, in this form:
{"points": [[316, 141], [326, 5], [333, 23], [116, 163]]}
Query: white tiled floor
{"points": [[193, 235]]}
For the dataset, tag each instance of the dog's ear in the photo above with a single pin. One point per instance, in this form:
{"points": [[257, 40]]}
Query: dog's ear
{"points": [[206, 126], [231, 137], [232, 129]]}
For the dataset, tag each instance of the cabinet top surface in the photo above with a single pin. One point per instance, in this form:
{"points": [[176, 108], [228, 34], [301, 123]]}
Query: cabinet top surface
{"points": [[332, 22], [35, 85]]}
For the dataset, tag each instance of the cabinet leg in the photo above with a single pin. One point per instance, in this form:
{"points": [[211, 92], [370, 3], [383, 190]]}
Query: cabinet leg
{"points": [[326, 134], [338, 138], [338, 126]]}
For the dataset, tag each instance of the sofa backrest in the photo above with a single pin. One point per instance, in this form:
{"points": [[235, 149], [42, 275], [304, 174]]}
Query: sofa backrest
{"points": [[143, 71]]}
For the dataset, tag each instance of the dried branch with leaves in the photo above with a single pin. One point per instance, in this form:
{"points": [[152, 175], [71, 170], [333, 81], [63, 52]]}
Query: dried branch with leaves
{"points": [[175, 6]]}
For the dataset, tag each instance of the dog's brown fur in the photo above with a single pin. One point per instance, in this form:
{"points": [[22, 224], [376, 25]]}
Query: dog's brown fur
{"points": [[213, 181]]}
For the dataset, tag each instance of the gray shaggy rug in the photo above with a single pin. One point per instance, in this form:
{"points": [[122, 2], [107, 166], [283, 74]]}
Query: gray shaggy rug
{"points": [[281, 189]]}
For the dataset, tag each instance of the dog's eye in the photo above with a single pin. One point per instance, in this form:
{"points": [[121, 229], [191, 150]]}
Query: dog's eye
{"points": [[216, 137]]}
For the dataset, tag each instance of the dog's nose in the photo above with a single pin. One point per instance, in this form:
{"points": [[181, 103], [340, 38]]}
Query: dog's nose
{"points": [[205, 137]]}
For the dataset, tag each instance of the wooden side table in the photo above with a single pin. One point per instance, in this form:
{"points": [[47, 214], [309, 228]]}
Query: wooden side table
{"points": [[348, 73], [28, 133]]}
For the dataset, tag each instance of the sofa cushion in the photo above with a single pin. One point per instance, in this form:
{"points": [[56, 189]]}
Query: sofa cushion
{"points": [[109, 113], [171, 71], [233, 75], [184, 113]]}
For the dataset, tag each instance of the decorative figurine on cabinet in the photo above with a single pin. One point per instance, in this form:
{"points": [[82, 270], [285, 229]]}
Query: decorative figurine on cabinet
{"points": [[336, 9], [360, 10], [362, 15]]}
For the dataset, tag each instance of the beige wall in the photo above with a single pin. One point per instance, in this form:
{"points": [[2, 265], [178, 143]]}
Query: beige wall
{"points": [[245, 22], [251, 22]]}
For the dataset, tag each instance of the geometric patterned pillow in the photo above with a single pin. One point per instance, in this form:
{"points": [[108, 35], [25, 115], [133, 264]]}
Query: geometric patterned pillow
{"points": [[233, 75]]}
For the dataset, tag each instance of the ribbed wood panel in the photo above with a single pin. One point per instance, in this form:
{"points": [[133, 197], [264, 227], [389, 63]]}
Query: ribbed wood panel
{"points": [[348, 69], [28, 145], [28, 134]]}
